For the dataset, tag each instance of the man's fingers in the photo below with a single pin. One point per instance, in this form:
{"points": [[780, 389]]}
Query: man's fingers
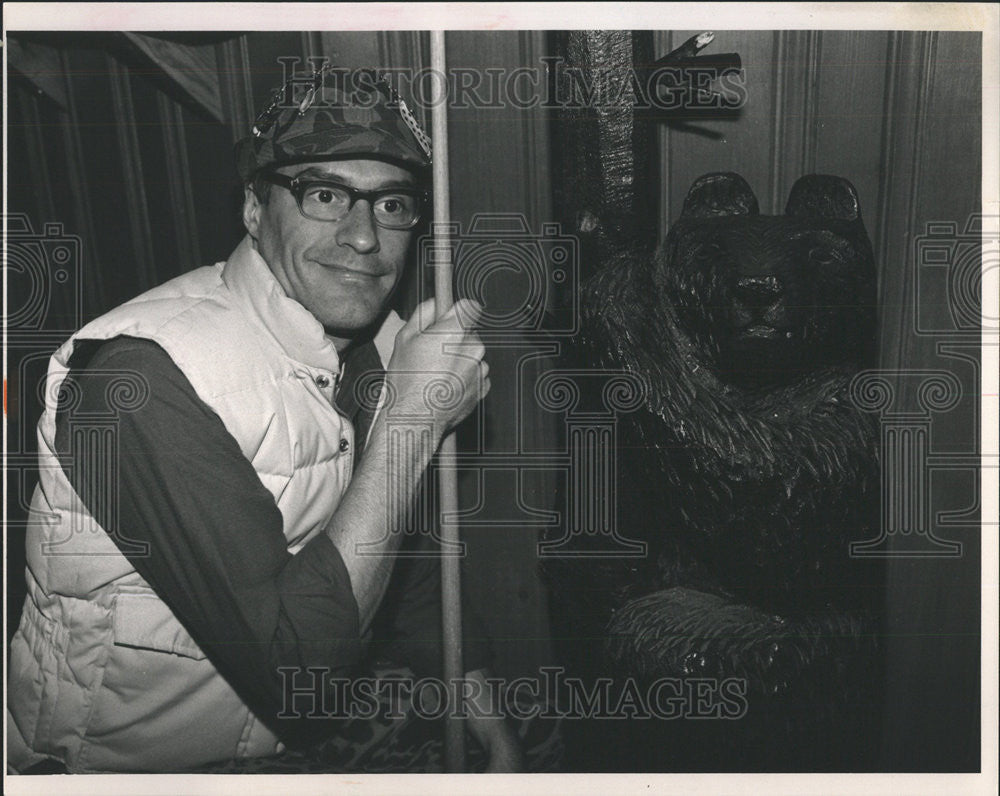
{"points": [[476, 349], [472, 311]]}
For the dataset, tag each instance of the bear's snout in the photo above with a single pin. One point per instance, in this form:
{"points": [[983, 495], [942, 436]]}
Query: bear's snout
{"points": [[759, 307]]}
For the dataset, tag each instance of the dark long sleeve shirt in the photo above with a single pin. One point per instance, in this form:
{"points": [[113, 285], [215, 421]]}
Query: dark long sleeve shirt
{"points": [[216, 551]]}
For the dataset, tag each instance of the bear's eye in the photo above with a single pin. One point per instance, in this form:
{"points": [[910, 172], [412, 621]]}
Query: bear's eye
{"points": [[822, 255]]}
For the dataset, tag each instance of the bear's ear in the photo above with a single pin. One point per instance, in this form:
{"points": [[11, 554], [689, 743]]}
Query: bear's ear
{"points": [[823, 196], [720, 194]]}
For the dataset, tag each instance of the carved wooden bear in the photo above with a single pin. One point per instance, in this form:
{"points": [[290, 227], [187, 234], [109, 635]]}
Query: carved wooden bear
{"points": [[748, 473]]}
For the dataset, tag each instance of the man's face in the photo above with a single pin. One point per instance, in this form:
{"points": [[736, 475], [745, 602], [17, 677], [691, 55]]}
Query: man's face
{"points": [[343, 272]]}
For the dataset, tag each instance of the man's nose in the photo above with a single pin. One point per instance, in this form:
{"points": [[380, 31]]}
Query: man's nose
{"points": [[358, 228]]}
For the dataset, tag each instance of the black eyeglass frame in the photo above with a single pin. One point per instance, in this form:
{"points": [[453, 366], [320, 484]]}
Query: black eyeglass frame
{"points": [[298, 187]]}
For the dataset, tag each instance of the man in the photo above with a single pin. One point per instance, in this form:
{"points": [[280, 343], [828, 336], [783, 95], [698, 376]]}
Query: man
{"points": [[243, 534]]}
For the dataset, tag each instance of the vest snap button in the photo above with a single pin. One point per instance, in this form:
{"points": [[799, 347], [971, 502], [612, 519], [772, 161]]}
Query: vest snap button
{"points": [[322, 382], [344, 445]]}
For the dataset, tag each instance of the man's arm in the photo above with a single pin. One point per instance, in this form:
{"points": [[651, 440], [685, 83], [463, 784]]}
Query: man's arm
{"points": [[419, 359], [217, 554], [362, 528]]}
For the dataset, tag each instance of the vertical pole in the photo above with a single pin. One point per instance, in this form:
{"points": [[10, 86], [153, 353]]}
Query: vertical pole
{"points": [[451, 585]]}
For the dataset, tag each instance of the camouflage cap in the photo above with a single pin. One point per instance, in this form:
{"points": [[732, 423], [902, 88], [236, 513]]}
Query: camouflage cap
{"points": [[340, 115]]}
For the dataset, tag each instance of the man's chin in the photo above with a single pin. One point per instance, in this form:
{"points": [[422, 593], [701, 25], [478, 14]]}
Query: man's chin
{"points": [[354, 329], [349, 314]]}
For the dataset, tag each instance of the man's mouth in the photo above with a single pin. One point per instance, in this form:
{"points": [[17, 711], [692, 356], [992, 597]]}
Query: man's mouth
{"points": [[345, 270]]}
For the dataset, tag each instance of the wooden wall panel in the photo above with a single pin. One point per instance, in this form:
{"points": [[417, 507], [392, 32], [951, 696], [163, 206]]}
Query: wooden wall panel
{"points": [[934, 604], [179, 193], [29, 158], [25, 154], [793, 104], [215, 186], [155, 164], [906, 103], [107, 198], [849, 115], [814, 104], [133, 186], [83, 217], [742, 145], [264, 50], [235, 85]]}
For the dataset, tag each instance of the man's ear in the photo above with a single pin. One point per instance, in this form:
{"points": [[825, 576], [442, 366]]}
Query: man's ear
{"points": [[252, 209]]}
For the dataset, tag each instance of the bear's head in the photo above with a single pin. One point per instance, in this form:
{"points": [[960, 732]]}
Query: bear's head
{"points": [[766, 298]]}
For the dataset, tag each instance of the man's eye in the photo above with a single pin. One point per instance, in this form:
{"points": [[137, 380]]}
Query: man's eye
{"points": [[393, 205], [325, 196]]}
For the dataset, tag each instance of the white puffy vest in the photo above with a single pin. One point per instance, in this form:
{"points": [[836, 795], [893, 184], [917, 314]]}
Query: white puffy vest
{"points": [[102, 675]]}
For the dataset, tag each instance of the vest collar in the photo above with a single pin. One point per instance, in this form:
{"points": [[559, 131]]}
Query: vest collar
{"points": [[284, 319]]}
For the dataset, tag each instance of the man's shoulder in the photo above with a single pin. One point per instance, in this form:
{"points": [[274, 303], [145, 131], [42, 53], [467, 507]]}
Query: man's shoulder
{"points": [[101, 369], [193, 286], [189, 320], [167, 306]]}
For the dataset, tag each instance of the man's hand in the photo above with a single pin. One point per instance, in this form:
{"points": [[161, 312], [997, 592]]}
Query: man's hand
{"points": [[501, 745], [488, 726], [439, 369]]}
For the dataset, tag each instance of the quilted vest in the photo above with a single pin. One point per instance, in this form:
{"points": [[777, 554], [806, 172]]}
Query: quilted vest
{"points": [[102, 675]]}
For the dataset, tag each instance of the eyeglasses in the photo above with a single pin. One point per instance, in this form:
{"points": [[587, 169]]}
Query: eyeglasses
{"points": [[326, 200]]}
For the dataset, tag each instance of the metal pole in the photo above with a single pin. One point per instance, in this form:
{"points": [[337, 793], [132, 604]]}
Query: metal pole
{"points": [[451, 584]]}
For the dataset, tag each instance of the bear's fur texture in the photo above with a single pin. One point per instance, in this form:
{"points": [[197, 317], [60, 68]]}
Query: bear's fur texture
{"points": [[748, 473]]}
